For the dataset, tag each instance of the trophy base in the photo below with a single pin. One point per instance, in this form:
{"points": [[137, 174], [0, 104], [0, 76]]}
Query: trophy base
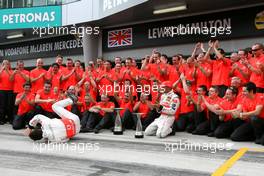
{"points": [[139, 136], [118, 132]]}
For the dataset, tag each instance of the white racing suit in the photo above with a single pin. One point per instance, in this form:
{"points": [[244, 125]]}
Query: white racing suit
{"points": [[162, 125], [58, 130]]}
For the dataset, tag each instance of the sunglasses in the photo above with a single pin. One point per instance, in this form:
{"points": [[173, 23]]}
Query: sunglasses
{"points": [[256, 49]]}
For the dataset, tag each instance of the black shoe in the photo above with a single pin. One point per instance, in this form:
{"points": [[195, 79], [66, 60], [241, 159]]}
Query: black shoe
{"points": [[258, 141], [2, 123], [86, 130], [190, 129], [172, 133], [96, 131], [211, 134], [73, 98]]}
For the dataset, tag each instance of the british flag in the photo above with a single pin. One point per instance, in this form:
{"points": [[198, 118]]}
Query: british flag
{"points": [[121, 37]]}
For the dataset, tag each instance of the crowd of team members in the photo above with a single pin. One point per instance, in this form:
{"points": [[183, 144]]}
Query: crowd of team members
{"points": [[219, 96]]}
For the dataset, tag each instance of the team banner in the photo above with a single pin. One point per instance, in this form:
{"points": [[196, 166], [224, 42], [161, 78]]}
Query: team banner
{"points": [[224, 25], [50, 47]]}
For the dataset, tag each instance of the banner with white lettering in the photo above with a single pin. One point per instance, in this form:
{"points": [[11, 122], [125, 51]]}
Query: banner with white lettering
{"points": [[49, 47], [222, 26]]}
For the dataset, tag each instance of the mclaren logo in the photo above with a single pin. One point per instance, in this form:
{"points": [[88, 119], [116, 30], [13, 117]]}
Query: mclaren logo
{"points": [[259, 20]]}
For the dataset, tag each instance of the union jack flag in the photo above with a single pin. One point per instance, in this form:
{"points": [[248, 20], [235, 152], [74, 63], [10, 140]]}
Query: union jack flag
{"points": [[122, 37]]}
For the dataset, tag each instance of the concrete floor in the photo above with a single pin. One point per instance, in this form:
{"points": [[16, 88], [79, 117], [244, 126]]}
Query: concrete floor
{"points": [[107, 154]]}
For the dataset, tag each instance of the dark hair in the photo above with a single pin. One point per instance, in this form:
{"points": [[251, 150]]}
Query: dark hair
{"points": [[77, 61], [129, 58], [165, 56], [244, 50], [234, 90], [203, 87], [248, 50], [250, 86], [69, 59], [36, 134], [158, 53], [222, 51], [48, 82], [215, 88], [27, 84], [55, 64]]}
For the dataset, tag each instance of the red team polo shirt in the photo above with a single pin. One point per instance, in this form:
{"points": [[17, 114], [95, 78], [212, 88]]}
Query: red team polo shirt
{"points": [[43, 95], [19, 81], [37, 85], [24, 107], [221, 71], [5, 83], [105, 105]]}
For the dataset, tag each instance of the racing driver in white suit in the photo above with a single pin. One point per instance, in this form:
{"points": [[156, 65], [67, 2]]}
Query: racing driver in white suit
{"points": [[169, 103], [55, 130]]}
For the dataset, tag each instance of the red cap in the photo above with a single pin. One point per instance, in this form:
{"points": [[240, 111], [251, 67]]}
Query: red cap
{"points": [[167, 84]]}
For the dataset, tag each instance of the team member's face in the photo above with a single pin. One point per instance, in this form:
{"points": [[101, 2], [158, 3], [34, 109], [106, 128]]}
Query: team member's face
{"points": [[104, 98], [143, 97], [69, 63], [27, 88], [200, 57], [241, 55], [200, 91], [175, 60], [229, 94], [234, 57], [71, 90], [235, 82], [156, 57], [163, 60], [126, 97], [20, 65], [47, 87], [107, 65], [55, 69], [212, 92], [118, 66], [256, 50], [99, 61], [59, 60], [245, 91], [87, 85], [117, 60], [128, 63], [77, 64], [39, 63]]}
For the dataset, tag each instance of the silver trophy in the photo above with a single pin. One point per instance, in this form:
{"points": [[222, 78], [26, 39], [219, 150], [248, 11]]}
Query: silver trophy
{"points": [[139, 131], [118, 124]]}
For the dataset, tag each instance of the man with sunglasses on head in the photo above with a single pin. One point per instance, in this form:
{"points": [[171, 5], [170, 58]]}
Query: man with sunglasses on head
{"points": [[256, 66]]}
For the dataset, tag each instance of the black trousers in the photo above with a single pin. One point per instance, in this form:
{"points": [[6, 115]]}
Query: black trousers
{"points": [[96, 121], [209, 125], [186, 122], [84, 119], [40, 110], [258, 126], [225, 129], [6, 105], [127, 120], [244, 132], [20, 121]]}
